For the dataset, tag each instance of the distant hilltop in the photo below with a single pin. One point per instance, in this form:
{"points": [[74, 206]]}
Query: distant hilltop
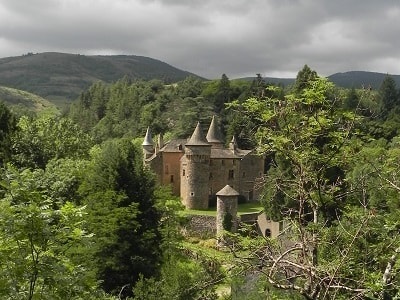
{"points": [[356, 79], [64, 76]]}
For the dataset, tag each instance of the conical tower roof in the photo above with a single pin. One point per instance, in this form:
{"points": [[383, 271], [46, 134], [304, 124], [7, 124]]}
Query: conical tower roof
{"points": [[227, 191], [214, 135], [233, 143], [198, 138], [148, 141]]}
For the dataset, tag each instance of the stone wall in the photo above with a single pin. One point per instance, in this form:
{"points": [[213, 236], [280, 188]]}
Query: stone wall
{"points": [[201, 226]]}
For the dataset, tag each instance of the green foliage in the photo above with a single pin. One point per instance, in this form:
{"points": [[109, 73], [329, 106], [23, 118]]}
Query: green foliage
{"points": [[38, 238], [304, 78], [7, 128], [37, 141], [120, 200], [389, 95]]}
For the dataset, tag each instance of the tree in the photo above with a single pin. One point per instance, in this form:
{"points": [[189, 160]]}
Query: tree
{"points": [[304, 78], [223, 95], [7, 127], [388, 95], [352, 100], [309, 136], [38, 237], [37, 141], [184, 274], [119, 194]]}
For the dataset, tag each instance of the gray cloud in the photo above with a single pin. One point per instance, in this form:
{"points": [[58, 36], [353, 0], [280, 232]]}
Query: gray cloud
{"points": [[208, 37]]}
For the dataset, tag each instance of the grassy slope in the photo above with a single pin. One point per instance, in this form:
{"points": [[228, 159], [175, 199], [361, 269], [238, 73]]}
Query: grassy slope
{"points": [[246, 208], [25, 100]]}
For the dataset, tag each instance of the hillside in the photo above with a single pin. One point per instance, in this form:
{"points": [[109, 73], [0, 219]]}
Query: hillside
{"points": [[359, 79], [25, 100], [60, 77], [356, 79]]}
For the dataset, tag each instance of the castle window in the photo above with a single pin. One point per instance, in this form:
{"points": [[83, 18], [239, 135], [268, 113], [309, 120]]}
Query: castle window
{"points": [[267, 232], [172, 178], [231, 174], [222, 162], [192, 194], [179, 147], [244, 174], [233, 162], [166, 169], [183, 172]]}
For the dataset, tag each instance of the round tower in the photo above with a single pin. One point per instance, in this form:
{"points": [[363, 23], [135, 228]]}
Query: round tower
{"points": [[195, 168], [227, 207]]}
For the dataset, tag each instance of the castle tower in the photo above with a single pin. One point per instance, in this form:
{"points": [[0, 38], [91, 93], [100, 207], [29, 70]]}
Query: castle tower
{"points": [[148, 145], [227, 207], [195, 168], [233, 144], [214, 135]]}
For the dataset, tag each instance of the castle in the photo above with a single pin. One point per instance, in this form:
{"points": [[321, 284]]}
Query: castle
{"points": [[198, 167]]}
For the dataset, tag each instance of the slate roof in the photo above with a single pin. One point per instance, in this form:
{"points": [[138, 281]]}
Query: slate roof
{"points": [[198, 138], [175, 146], [227, 191], [148, 141], [214, 134]]}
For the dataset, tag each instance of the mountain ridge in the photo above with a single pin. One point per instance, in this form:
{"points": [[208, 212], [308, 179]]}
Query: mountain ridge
{"points": [[349, 79], [55, 75]]}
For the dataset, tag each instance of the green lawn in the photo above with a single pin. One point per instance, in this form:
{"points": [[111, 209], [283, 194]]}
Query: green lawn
{"points": [[246, 208]]}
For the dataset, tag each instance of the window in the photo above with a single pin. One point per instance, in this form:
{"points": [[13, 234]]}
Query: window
{"points": [[231, 174], [183, 172], [233, 162], [172, 178], [192, 194], [244, 174], [267, 232], [166, 169], [222, 162]]}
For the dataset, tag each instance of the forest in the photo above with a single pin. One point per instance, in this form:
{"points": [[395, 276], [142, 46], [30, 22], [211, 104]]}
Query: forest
{"points": [[82, 218]]}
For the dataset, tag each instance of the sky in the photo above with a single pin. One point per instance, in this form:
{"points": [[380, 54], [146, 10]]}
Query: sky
{"points": [[239, 38]]}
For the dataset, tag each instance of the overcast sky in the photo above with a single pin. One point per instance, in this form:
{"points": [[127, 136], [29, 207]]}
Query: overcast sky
{"points": [[212, 37]]}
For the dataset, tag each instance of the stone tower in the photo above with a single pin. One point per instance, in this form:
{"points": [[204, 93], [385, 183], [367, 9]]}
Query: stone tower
{"points": [[195, 168], [148, 145], [227, 207]]}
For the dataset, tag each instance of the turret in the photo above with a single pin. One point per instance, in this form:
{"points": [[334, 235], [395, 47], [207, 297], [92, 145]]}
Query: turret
{"points": [[195, 167], [227, 207], [148, 145], [214, 135], [233, 144], [160, 142]]}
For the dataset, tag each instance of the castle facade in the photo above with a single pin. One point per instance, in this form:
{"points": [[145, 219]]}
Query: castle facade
{"points": [[198, 167]]}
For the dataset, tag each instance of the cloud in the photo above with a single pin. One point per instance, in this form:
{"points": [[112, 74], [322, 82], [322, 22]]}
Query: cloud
{"points": [[236, 37]]}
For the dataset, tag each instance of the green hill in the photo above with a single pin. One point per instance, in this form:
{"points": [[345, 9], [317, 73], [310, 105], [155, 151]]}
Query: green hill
{"points": [[62, 77], [25, 100], [360, 79], [356, 79]]}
